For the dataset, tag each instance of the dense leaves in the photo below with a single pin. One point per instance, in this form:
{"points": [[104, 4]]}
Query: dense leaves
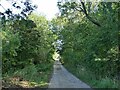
{"points": [[94, 48], [26, 42], [26, 39], [85, 34]]}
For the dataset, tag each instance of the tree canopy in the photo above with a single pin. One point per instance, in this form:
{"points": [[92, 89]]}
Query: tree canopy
{"points": [[85, 34]]}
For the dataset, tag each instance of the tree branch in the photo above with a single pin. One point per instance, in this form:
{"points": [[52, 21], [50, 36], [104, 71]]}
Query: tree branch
{"points": [[85, 12]]}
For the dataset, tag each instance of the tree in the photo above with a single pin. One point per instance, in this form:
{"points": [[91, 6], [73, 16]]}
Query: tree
{"points": [[68, 7], [87, 45], [24, 8]]}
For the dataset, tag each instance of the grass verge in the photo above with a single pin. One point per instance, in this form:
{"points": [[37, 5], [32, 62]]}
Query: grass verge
{"points": [[91, 79], [30, 77]]}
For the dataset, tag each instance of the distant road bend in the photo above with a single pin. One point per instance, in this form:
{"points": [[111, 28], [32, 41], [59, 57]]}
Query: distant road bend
{"points": [[61, 78]]}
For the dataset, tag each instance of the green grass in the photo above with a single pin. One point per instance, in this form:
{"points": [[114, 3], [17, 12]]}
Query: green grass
{"points": [[91, 79], [30, 76]]}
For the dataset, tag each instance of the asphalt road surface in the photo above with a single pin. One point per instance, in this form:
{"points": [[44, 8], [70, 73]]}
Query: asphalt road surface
{"points": [[61, 78]]}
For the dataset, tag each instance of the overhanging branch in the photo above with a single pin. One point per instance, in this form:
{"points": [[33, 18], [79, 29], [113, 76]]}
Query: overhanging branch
{"points": [[85, 12]]}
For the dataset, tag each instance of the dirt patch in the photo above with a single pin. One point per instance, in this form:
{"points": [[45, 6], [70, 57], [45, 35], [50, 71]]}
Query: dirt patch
{"points": [[15, 82]]}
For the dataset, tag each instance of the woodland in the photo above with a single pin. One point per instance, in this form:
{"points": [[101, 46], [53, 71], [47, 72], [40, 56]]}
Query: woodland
{"points": [[88, 35]]}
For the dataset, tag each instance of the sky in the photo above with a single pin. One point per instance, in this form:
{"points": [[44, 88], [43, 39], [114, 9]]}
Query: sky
{"points": [[47, 8]]}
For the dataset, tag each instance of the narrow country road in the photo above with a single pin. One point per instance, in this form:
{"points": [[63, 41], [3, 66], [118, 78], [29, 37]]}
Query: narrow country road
{"points": [[63, 79]]}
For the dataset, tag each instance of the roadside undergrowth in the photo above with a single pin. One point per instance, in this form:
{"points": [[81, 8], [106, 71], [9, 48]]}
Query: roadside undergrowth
{"points": [[91, 79], [32, 76]]}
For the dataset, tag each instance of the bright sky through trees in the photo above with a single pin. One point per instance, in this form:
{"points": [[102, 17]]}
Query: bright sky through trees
{"points": [[45, 7]]}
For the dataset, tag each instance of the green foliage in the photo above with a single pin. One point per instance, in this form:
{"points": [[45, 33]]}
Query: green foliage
{"points": [[10, 43], [31, 75], [26, 44], [27, 49], [90, 78], [91, 52], [86, 45]]}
